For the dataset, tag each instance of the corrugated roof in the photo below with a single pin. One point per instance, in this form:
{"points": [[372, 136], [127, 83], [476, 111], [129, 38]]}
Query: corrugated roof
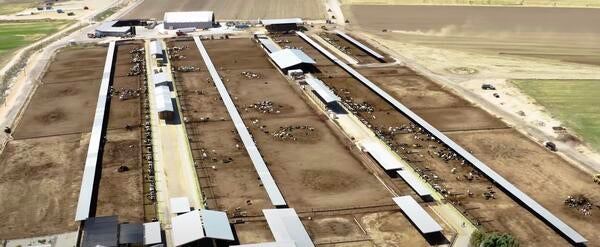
{"points": [[382, 155], [269, 44], [360, 45], [89, 172], [287, 227], [152, 233], [531, 204], [257, 160], [216, 225], [322, 90], [101, 231], [187, 228], [162, 97], [161, 77], [131, 234], [281, 21], [188, 16], [417, 214], [290, 57], [156, 48], [180, 205], [414, 183]]}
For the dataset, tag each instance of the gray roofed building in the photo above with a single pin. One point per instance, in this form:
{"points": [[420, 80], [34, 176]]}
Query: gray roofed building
{"points": [[108, 29], [216, 225], [287, 227], [131, 234], [101, 231], [189, 19], [291, 59], [179, 205], [417, 215], [268, 43]]}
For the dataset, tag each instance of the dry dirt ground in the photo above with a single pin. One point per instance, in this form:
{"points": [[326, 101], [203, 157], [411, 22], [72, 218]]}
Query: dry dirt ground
{"points": [[352, 50], [500, 214], [41, 169], [233, 9], [120, 193], [316, 171]]}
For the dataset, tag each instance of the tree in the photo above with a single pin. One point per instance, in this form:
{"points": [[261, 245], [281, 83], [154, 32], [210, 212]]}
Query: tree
{"points": [[494, 239]]}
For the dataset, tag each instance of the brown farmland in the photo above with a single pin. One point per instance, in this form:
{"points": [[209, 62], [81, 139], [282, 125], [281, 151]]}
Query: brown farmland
{"points": [[317, 169], [41, 169], [233, 9], [498, 214]]}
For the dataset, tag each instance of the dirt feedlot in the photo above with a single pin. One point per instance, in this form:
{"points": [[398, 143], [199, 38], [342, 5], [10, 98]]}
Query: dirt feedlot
{"points": [[499, 214], [120, 193], [41, 170], [304, 169], [234, 9]]}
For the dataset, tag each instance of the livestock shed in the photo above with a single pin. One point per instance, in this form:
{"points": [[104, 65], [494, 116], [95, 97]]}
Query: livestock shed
{"points": [[189, 19], [290, 59], [282, 25], [156, 49], [164, 104], [417, 215], [110, 29], [200, 225], [162, 79]]}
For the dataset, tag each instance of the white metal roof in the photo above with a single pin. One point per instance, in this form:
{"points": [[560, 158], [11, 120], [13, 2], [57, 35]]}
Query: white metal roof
{"points": [[269, 44], [156, 47], [417, 214], [216, 224], [162, 96], [152, 234], [89, 172], [414, 183], [161, 77], [180, 205], [281, 21], [186, 228], [287, 227], [531, 204], [259, 164], [290, 57], [189, 16], [383, 155], [322, 90]]}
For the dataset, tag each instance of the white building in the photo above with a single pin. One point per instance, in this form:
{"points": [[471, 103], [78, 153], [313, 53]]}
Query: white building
{"points": [[191, 19]]}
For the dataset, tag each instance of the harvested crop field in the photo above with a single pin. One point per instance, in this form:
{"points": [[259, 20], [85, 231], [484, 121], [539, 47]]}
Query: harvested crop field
{"points": [[565, 34], [472, 193], [234, 10]]}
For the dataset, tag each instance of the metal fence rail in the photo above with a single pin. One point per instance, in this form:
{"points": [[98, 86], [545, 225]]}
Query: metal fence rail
{"points": [[257, 160], [520, 196]]}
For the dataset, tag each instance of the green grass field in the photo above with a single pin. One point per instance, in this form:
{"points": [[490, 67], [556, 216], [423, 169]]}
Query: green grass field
{"points": [[11, 8], [574, 102], [14, 35]]}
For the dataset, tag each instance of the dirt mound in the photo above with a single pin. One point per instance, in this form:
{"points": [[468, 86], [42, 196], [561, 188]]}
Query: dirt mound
{"points": [[52, 116]]}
